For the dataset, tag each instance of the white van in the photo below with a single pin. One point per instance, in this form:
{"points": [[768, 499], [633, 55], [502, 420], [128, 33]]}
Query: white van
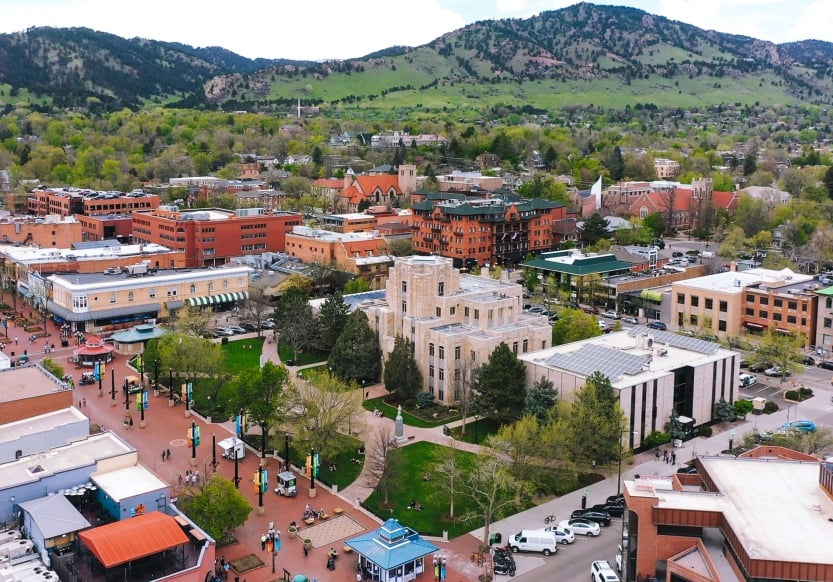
{"points": [[746, 380], [534, 541]]}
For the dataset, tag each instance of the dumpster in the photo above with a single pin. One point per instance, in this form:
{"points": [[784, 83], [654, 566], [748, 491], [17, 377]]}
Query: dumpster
{"points": [[495, 538]]}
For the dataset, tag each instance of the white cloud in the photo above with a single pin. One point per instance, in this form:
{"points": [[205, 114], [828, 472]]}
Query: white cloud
{"points": [[815, 21]]}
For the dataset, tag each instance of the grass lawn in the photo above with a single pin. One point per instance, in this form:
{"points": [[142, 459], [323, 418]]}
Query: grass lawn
{"points": [[411, 419], [476, 432], [304, 358], [346, 471], [242, 354]]}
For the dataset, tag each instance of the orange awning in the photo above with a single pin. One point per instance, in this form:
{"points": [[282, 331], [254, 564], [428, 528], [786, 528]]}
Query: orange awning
{"points": [[134, 538]]}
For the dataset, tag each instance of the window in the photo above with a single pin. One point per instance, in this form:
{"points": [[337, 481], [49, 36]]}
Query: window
{"points": [[452, 311], [112, 297], [709, 303], [457, 353], [791, 319], [750, 298], [477, 315], [750, 311], [721, 325], [828, 322], [472, 356], [442, 374], [803, 321], [515, 348], [225, 284], [431, 349], [693, 319], [193, 288], [763, 314], [724, 306], [441, 289], [695, 301], [778, 302], [211, 287], [776, 316], [438, 311], [131, 296], [79, 301], [828, 303], [465, 312], [764, 300], [792, 305], [431, 371], [526, 346], [680, 299], [404, 286], [404, 307], [442, 352], [152, 293]]}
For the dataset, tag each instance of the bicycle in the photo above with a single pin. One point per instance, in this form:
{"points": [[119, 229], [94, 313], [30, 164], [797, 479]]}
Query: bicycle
{"points": [[549, 519]]}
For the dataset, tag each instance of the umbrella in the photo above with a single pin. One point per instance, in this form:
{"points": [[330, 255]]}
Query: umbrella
{"points": [[300, 578]]}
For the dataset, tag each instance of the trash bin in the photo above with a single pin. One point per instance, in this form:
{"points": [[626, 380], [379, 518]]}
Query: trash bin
{"points": [[64, 343], [495, 538]]}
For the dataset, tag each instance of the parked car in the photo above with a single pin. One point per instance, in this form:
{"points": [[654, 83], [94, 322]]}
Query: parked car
{"points": [[538, 310], [631, 320], [563, 535], [687, 469], [591, 310], [744, 363], [676, 254], [658, 325], [554, 317], [610, 315], [618, 498], [527, 306], [582, 527], [601, 571], [600, 517], [236, 329], [808, 361], [776, 371], [827, 364], [759, 366], [747, 380], [222, 332], [800, 425], [614, 509]]}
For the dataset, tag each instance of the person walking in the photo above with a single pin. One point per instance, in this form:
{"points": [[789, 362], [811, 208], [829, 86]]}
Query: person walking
{"points": [[163, 456], [168, 454]]}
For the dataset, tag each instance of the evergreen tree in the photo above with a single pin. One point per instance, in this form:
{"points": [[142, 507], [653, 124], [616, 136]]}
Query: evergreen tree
{"points": [[596, 422], [594, 229], [356, 354], [500, 384], [617, 164], [295, 321], [402, 375], [331, 319], [540, 399], [828, 181]]}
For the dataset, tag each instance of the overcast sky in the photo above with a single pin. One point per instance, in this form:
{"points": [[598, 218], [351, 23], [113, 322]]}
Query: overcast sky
{"points": [[340, 29]]}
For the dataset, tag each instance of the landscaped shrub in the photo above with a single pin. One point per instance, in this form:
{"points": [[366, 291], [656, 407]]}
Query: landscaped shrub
{"points": [[770, 407], [704, 431], [791, 395], [656, 439], [425, 400], [804, 393]]}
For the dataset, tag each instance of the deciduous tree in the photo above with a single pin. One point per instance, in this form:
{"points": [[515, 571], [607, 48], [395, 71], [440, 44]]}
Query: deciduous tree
{"points": [[382, 462], [573, 326], [596, 421], [263, 394], [217, 506]]}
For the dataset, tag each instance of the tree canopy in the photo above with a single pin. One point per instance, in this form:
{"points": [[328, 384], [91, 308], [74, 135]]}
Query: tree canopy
{"points": [[356, 354], [500, 384], [402, 375]]}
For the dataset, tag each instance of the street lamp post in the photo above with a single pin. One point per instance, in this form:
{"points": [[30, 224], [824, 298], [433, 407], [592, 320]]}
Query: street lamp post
{"points": [[286, 451], [260, 490], [236, 474], [453, 470], [141, 403], [619, 479], [312, 472], [156, 376], [126, 396], [112, 387], [731, 440], [193, 443], [214, 452], [170, 386]]}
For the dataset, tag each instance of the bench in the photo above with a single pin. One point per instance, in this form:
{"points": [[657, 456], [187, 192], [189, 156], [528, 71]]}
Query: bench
{"points": [[347, 550], [338, 511], [309, 520], [323, 516]]}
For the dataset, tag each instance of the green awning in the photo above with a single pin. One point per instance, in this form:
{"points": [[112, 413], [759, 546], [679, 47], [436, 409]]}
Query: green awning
{"points": [[217, 299], [655, 296]]}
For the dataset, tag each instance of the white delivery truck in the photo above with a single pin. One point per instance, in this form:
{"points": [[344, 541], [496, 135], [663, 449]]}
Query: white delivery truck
{"points": [[534, 540], [233, 448]]}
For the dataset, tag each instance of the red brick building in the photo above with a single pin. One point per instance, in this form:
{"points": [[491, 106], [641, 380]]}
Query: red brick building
{"points": [[211, 236], [496, 230], [66, 202]]}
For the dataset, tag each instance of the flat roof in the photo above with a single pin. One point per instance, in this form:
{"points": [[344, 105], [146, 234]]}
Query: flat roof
{"points": [[78, 281], [23, 254], [24, 382], [733, 282], [776, 508], [626, 356], [42, 423], [127, 482], [33, 468]]}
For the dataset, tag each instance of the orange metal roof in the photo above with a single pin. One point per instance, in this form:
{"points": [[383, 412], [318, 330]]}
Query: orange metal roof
{"points": [[134, 538]]}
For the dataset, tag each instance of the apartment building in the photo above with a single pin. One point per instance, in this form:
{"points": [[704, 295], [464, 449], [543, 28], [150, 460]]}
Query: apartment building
{"points": [[69, 201], [653, 372], [486, 231], [716, 525], [824, 322], [53, 231], [753, 301], [210, 237], [454, 320], [666, 169]]}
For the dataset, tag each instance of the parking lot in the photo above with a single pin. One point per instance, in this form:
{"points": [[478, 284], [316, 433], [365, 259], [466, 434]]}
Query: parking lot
{"points": [[773, 391]]}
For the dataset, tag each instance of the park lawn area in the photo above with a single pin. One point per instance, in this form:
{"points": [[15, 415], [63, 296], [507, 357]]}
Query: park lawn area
{"points": [[389, 411], [347, 470], [304, 358], [476, 431], [417, 459], [242, 354]]}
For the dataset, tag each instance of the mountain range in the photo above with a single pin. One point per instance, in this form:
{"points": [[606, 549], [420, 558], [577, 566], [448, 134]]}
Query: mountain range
{"points": [[586, 53]]}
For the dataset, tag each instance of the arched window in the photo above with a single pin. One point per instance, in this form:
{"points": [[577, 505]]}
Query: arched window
{"points": [[131, 296], [193, 288]]}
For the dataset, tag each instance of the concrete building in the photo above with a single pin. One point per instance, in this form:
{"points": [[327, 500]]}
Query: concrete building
{"points": [[717, 525], [210, 237], [98, 302], [454, 320], [666, 169], [755, 299], [654, 373], [824, 322], [50, 231]]}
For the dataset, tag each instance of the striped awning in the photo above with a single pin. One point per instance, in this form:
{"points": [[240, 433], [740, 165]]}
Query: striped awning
{"points": [[217, 299]]}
